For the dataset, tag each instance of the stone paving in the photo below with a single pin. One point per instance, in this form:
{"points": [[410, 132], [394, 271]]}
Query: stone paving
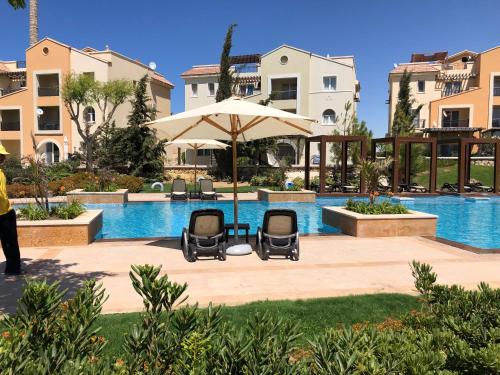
{"points": [[329, 266]]}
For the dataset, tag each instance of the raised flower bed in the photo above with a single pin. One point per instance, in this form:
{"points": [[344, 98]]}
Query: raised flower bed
{"points": [[81, 230], [119, 196], [412, 223], [268, 195]]}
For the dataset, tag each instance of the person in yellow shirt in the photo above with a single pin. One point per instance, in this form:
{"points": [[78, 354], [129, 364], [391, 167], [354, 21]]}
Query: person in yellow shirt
{"points": [[8, 225]]}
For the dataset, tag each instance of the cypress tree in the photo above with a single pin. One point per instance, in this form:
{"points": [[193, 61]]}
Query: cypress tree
{"points": [[224, 158], [225, 77], [404, 115]]}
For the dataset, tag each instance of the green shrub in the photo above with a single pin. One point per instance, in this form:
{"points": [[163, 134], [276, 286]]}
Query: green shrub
{"points": [[14, 170], [68, 211], [299, 182], [366, 208], [132, 183], [33, 212], [57, 171], [455, 332]]}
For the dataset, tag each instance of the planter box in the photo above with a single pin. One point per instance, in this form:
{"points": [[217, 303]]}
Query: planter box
{"points": [[88, 197], [359, 225], [78, 231], [286, 196]]}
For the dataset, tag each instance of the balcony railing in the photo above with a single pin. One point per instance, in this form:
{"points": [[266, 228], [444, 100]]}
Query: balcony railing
{"points": [[446, 123], [419, 124], [10, 126], [49, 125], [284, 95], [48, 91], [9, 90]]}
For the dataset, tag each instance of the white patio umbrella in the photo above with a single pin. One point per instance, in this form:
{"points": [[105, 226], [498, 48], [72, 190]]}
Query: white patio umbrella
{"points": [[199, 144], [236, 120]]}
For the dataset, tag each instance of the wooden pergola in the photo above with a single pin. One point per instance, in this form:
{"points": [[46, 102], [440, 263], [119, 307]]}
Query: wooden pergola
{"points": [[396, 142], [465, 146], [344, 140]]}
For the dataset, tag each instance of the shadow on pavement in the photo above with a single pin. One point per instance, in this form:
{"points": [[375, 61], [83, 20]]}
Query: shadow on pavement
{"points": [[51, 270]]}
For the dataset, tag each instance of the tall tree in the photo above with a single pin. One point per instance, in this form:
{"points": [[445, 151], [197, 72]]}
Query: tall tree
{"points": [[33, 25], [224, 158], [404, 115], [81, 91], [224, 91]]}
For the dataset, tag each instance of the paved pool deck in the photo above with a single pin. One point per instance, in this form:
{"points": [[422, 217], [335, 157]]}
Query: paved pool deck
{"points": [[329, 266]]}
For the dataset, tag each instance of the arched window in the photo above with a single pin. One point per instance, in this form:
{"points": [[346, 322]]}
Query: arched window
{"points": [[329, 117], [286, 152], [89, 115], [49, 152]]}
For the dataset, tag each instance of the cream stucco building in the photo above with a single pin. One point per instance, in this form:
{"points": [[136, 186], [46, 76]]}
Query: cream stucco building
{"points": [[460, 93], [297, 81], [31, 103]]}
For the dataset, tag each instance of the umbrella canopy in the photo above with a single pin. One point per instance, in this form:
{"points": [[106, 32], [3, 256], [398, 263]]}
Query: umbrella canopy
{"points": [[233, 119], [199, 144]]}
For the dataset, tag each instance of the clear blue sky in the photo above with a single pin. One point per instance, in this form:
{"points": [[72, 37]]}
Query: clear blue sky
{"points": [[178, 34]]}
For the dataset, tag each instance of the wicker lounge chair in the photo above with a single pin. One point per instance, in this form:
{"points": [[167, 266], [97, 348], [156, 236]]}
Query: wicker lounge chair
{"points": [[453, 188], [383, 185], [179, 189], [416, 188], [478, 187], [207, 190], [205, 235], [279, 235]]}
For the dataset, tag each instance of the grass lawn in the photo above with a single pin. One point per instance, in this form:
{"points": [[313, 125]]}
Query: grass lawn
{"points": [[313, 315], [168, 186], [449, 173]]}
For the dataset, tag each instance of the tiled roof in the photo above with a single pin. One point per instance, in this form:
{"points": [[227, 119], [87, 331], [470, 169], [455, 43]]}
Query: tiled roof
{"points": [[202, 70], [414, 68], [158, 77]]}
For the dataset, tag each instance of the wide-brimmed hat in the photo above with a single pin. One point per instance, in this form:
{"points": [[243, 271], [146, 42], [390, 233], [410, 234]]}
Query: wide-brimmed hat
{"points": [[3, 151]]}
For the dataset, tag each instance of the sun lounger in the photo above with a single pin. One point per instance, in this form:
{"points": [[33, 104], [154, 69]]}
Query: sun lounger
{"points": [[480, 188], [383, 185], [453, 188], [207, 190], [416, 188], [349, 189], [205, 235], [279, 235], [179, 189]]}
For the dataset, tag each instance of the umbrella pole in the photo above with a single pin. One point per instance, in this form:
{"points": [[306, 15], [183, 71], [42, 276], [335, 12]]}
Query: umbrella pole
{"points": [[195, 164], [235, 188]]}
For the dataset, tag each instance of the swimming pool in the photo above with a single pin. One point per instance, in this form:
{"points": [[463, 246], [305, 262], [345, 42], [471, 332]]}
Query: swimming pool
{"points": [[472, 223]]}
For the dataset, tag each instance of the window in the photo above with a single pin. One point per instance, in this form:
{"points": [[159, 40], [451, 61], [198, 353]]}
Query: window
{"points": [[211, 89], [89, 115], [451, 88], [330, 83], [421, 86], [203, 152], [194, 90], [495, 120], [451, 119], [48, 84], [329, 117], [496, 86], [283, 60], [246, 90]]}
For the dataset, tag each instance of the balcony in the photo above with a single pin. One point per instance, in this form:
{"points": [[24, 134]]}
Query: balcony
{"points": [[13, 126], [447, 123], [49, 119], [9, 90], [48, 84], [284, 95]]}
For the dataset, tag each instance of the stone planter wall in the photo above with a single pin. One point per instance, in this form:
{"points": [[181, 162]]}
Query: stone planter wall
{"points": [[286, 196], [412, 224], [118, 197], [78, 231]]}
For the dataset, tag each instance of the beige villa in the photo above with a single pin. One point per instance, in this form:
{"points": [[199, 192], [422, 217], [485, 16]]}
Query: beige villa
{"points": [[297, 81], [460, 93], [30, 95]]}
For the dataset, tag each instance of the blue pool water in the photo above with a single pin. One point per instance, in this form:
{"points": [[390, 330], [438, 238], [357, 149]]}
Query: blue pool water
{"points": [[472, 223]]}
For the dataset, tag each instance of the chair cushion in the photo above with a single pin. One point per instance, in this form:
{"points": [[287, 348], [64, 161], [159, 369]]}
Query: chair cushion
{"points": [[280, 225], [207, 225]]}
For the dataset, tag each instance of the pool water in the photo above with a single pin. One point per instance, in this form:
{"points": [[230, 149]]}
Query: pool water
{"points": [[472, 223]]}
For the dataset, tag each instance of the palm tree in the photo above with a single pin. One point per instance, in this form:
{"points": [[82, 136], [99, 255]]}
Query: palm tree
{"points": [[21, 4]]}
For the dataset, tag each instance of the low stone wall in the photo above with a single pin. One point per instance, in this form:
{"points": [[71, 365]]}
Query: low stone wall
{"points": [[286, 196], [412, 224], [79, 231], [118, 197]]}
